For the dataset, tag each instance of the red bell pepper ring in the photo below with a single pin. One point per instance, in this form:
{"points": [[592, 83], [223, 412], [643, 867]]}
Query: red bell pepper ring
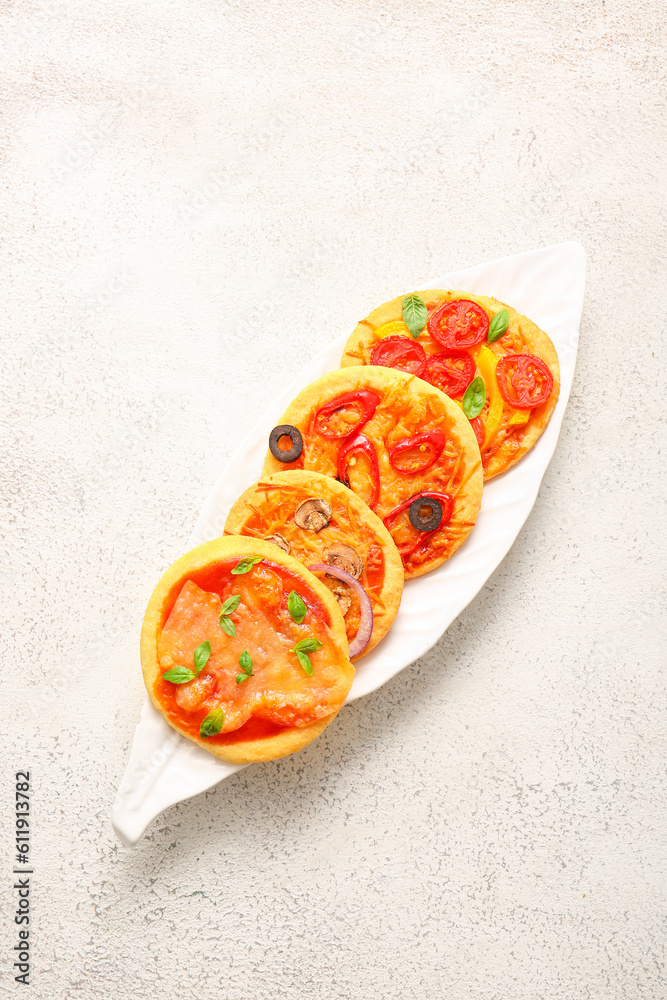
{"points": [[447, 503], [364, 398], [479, 430], [430, 444], [359, 444]]}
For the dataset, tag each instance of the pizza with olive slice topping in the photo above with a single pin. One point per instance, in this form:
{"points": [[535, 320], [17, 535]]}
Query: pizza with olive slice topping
{"points": [[318, 520], [400, 444], [498, 366]]}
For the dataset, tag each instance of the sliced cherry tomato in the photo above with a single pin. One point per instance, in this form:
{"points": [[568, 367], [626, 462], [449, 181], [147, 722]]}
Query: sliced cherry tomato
{"points": [[450, 372], [359, 444], [524, 380], [418, 453], [402, 353], [363, 401], [479, 429], [459, 325], [421, 541]]}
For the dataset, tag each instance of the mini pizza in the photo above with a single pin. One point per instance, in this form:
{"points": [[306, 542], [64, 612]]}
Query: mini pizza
{"points": [[402, 446], [319, 521], [244, 651], [498, 365]]}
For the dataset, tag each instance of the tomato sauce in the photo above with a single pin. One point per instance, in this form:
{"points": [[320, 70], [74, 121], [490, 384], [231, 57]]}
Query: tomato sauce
{"points": [[274, 514], [279, 694]]}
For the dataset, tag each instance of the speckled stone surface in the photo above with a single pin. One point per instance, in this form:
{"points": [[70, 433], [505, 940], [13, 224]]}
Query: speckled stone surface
{"points": [[197, 197]]}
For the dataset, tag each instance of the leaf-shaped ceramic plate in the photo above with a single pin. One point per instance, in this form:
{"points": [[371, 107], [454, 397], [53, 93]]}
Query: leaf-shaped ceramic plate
{"points": [[546, 285]]}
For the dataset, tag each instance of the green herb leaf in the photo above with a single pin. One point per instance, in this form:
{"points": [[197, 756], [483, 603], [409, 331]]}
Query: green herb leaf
{"points": [[179, 675], [227, 625], [498, 325], [212, 724], [308, 645], [245, 565], [245, 662], [305, 662], [296, 607], [231, 604], [415, 314], [202, 653], [474, 398], [240, 678]]}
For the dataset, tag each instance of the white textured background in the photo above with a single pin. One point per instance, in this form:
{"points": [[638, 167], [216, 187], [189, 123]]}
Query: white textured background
{"points": [[197, 196]]}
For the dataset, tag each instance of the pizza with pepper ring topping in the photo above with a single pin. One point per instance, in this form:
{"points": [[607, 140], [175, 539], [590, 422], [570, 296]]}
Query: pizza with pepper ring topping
{"points": [[453, 339], [401, 445]]}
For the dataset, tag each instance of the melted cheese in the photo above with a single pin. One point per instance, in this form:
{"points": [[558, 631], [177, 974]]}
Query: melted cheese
{"points": [[273, 513], [280, 692]]}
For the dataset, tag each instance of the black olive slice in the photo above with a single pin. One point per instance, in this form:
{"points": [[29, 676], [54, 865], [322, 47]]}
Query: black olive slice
{"points": [[432, 520], [294, 434]]}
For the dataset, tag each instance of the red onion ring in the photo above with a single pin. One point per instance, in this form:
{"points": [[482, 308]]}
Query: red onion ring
{"points": [[365, 630]]}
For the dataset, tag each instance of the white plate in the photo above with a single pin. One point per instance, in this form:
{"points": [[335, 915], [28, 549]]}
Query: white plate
{"points": [[546, 285]]}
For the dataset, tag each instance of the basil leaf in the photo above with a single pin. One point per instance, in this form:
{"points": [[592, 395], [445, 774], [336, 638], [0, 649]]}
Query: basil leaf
{"points": [[474, 398], [179, 675], [305, 662], [202, 653], [415, 314], [308, 645], [231, 604], [245, 662], [245, 565], [227, 625], [212, 724], [498, 325], [240, 678], [296, 607]]}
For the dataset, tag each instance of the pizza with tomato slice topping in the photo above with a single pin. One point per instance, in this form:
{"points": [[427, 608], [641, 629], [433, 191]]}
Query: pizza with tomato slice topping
{"points": [[497, 365], [400, 444], [318, 520], [244, 651]]}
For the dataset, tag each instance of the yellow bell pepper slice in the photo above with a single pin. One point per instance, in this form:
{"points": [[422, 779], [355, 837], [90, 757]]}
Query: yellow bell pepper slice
{"points": [[393, 328], [487, 361], [519, 418]]}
